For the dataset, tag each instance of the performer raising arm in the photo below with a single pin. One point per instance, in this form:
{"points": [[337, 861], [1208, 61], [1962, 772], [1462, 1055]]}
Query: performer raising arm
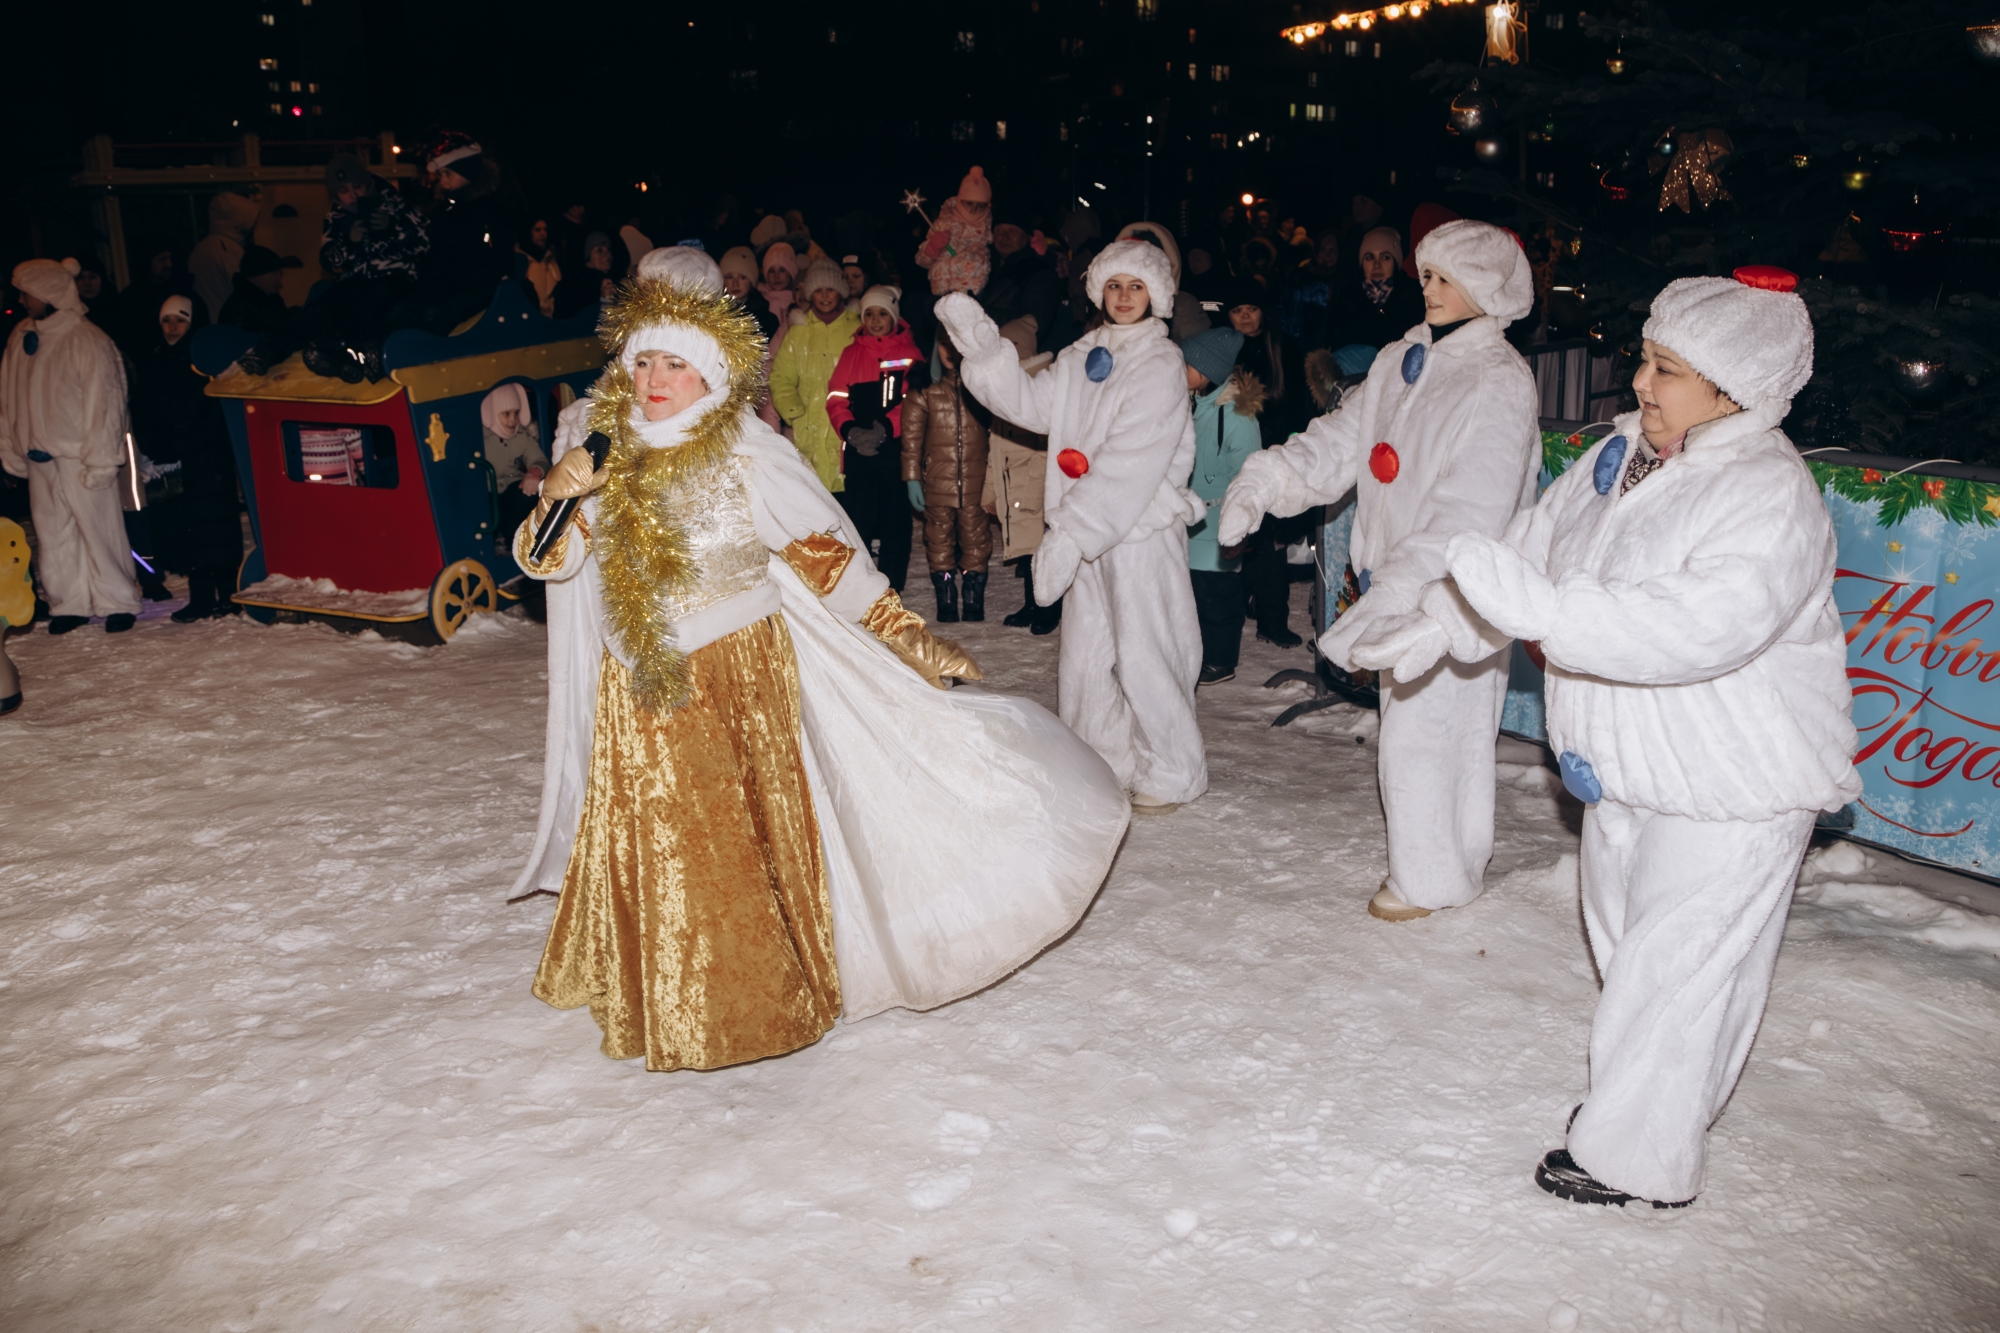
{"points": [[760, 812]]}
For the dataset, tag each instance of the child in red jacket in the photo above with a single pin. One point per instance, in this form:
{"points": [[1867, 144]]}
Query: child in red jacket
{"points": [[865, 403]]}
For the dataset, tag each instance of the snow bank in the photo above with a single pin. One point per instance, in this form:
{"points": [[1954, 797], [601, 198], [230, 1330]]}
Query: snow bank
{"points": [[271, 1061], [325, 595]]}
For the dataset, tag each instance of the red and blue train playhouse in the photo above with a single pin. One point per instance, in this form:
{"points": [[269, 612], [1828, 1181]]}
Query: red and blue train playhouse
{"points": [[374, 505]]}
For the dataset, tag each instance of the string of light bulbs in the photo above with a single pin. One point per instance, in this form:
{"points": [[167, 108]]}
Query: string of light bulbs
{"points": [[1364, 19]]}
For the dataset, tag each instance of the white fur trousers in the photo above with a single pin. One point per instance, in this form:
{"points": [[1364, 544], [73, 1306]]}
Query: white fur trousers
{"points": [[1435, 768]]}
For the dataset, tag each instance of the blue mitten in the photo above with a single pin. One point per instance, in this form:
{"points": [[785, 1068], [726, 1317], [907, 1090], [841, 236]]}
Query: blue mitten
{"points": [[916, 495]]}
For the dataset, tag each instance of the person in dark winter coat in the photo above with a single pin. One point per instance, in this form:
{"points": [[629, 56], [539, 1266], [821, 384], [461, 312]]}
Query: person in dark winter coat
{"points": [[944, 464], [376, 242], [591, 282], [1365, 317], [472, 236], [194, 520], [254, 304], [1274, 360], [1021, 283], [864, 404], [1302, 311]]}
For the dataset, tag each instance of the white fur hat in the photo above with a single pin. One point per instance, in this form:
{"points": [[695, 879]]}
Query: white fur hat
{"points": [[1148, 263], [1485, 262], [1755, 345], [50, 281], [684, 266]]}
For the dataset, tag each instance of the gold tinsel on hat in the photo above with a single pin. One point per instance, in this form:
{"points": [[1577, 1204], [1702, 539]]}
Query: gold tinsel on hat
{"points": [[642, 556], [1697, 156]]}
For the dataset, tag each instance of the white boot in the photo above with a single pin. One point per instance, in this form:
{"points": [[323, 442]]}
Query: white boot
{"points": [[1386, 905]]}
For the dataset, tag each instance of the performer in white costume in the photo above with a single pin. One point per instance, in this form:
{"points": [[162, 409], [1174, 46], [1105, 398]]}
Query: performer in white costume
{"points": [[1441, 439], [62, 426], [1121, 444], [1679, 578], [760, 803]]}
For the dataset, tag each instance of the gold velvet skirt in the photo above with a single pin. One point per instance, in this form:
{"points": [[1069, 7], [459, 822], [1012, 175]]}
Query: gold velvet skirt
{"points": [[694, 918]]}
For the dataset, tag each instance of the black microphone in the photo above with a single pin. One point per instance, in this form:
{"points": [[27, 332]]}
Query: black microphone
{"points": [[556, 523]]}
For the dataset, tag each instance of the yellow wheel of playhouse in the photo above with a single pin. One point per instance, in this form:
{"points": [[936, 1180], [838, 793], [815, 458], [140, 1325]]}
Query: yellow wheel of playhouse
{"points": [[463, 587]]}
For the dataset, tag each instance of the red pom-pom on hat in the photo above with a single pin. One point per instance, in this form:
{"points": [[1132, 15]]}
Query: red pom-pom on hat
{"points": [[1767, 277]]}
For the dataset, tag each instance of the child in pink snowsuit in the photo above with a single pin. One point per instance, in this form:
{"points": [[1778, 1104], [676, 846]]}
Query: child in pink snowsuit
{"points": [[956, 252]]}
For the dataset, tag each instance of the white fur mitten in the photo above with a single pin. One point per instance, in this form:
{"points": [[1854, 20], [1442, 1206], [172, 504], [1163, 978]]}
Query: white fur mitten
{"points": [[1513, 596]]}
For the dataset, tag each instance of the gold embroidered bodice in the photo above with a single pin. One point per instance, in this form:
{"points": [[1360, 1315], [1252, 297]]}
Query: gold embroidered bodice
{"points": [[713, 509]]}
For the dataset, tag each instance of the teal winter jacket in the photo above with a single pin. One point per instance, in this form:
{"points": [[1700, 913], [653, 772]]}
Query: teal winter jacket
{"points": [[1225, 434]]}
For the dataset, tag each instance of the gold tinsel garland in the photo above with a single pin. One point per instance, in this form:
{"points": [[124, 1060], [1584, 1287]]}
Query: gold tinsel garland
{"points": [[642, 554]]}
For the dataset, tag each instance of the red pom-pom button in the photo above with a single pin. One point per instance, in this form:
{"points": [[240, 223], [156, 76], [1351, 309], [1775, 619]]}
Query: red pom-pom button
{"points": [[1767, 277], [1072, 463], [1383, 463]]}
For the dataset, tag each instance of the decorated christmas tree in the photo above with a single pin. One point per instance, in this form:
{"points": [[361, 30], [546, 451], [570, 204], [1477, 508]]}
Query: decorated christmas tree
{"points": [[1850, 144]]}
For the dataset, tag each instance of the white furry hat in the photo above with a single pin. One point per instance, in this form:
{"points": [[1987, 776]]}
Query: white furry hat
{"points": [[1753, 343], [50, 281], [1483, 261], [1148, 263], [684, 266]]}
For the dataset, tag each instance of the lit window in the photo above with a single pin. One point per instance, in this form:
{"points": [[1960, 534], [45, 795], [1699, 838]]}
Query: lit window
{"points": [[1218, 73], [1378, 50], [267, 63], [964, 41], [1000, 130], [1312, 78], [1218, 139], [274, 86], [1314, 111], [1062, 132], [314, 110], [832, 37], [312, 87], [1193, 73], [277, 108], [1148, 9], [1190, 36], [295, 85], [1352, 48], [268, 20], [962, 129], [1555, 20], [1295, 110]]}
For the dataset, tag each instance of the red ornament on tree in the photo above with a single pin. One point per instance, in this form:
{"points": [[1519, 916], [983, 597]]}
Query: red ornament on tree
{"points": [[1383, 463], [1072, 463]]}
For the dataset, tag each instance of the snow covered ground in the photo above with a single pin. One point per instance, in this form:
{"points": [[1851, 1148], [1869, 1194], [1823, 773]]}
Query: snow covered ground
{"points": [[270, 1060]]}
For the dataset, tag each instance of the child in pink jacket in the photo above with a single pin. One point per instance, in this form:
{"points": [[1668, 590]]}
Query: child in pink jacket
{"points": [[864, 402]]}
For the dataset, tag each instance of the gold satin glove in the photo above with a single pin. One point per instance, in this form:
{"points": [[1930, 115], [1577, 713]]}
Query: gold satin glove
{"points": [[926, 654], [572, 475]]}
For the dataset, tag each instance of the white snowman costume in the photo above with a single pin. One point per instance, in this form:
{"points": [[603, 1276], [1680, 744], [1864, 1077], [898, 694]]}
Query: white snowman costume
{"points": [[1697, 694], [1441, 439], [62, 426], [1117, 508]]}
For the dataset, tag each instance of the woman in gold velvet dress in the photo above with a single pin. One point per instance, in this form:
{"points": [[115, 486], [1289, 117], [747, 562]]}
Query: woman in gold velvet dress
{"points": [[745, 743]]}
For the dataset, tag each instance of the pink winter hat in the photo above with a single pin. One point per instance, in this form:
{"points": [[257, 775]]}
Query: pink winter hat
{"points": [[975, 188], [780, 256]]}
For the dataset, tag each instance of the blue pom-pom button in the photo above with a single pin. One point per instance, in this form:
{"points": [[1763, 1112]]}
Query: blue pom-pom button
{"points": [[31, 342], [1579, 778], [1097, 366], [1413, 363], [1363, 579], [1609, 462]]}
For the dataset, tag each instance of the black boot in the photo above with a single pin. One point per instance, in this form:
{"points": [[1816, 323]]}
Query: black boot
{"points": [[1046, 618], [1561, 1176], [201, 600], [972, 600], [64, 624], [1026, 615], [947, 598]]}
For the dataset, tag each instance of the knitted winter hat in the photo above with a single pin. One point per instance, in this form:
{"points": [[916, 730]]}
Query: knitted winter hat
{"points": [[1752, 342], [454, 149], [684, 266], [781, 256], [975, 188], [823, 273], [49, 281], [690, 342], [1485, 262], [1146, 262], [887, 298], [1213, 352], [769, 229], [739, 260]]}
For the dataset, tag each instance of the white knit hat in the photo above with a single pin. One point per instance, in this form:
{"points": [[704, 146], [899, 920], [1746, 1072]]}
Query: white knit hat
{"points": [[49, 281], [1148, 263], [888, 298], [1754, 344], [1483, 261], [684, 266], [822, 273]]}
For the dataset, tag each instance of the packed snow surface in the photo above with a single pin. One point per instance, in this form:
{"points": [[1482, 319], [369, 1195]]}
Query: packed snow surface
{"points": [[271, 1062], [325, 595]]}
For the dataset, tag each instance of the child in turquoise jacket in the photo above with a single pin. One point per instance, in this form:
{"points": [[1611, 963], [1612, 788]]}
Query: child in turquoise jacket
{"points": [[1226, 403]]}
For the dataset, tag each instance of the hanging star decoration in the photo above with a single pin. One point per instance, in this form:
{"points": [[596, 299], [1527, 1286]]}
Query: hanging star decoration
{"points": [[1691, 166], [914, 202]]}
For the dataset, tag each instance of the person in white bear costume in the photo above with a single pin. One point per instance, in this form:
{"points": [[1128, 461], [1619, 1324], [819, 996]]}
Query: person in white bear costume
{"points": [[1121, 438], [62, 426], [1441, 439], [1679, 578]]}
